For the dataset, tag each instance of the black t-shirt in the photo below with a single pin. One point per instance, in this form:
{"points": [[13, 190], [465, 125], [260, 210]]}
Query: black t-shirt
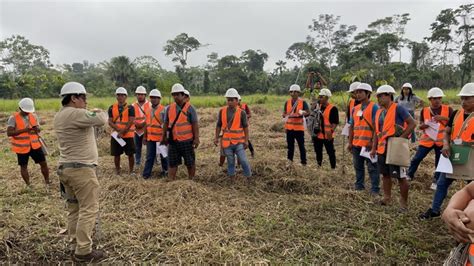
{"points": [[451, 118], [333, 116], [131, 111], [435, 112], [349, 111]]}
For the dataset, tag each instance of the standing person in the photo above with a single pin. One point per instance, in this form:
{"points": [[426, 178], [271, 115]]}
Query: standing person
{"points": [[361, 133], [353, 100], [232, 121], [78, 158], [392, 120], [435, 113], [154, 134], [246, 108], [294, 111], [325, 137], [141, 106], [121, 120], [460, 129], [410, 101], [181, 122], [23, 130]]}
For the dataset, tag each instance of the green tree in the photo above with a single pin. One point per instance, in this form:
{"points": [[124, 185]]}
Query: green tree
{"points": [[120, 70], [18, 55], [180, 47]]}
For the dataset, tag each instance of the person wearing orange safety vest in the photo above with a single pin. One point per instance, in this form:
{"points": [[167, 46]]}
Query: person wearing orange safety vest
{"points": [[121, 120], [153, 136], [325, 137], [141, 106], [182, 133], [23, 129], [232, 121], [391, 120], [361, 132], [246, 108], [294, 112], [353, 102], [458, 131], [435, 115]]}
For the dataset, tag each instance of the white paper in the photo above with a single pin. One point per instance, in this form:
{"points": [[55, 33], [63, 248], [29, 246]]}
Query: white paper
{"points": [[305, 124], [366, 153], [119, 140], [432, 130], [345, 130], [444, 165], [161, 149]]}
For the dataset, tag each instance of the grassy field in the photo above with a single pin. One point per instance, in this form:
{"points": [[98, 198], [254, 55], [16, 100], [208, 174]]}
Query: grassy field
{"points": [[339, 98], [293, 214]]}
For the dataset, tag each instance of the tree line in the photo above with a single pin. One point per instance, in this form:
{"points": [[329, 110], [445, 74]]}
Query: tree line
{"points": [[443, 59]]}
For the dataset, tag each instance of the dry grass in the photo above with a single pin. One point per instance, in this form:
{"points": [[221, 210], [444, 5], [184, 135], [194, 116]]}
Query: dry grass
{"points": [[292, 214]]}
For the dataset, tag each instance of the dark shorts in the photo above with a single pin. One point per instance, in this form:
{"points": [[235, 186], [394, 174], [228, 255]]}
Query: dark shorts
{"points": [[178, 150], [37, 156], [117, 150], [388, 169]]}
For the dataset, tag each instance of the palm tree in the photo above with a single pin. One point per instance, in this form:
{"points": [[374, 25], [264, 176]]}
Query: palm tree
{"points": [[281, 65], [120, 69]]}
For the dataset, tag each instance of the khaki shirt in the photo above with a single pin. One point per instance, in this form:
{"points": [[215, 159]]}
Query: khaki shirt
{"points": [[74, 129]]}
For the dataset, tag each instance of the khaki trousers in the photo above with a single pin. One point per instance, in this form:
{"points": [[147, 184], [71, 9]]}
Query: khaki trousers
{"points": [[81, 184]]}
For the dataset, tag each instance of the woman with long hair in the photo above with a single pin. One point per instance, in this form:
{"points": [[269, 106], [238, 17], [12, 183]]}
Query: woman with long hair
{"points": [[410, 101]]}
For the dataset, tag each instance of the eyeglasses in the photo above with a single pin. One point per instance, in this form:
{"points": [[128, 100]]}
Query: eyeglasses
{"points": [[82, 96]]}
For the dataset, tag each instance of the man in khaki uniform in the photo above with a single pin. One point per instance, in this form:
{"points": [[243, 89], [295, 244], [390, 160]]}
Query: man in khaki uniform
{"points": [[78, 159]]}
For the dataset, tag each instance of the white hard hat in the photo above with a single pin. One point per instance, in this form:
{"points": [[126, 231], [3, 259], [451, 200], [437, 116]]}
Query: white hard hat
{"points": [[140, 90], [177, 88], [239, 98], [385, 89], [72, 88], [186, 92], [435, 93], [26, 105], [325, 92], [467, 90], [121, 90], [155, 93], [364, 86], [232, 93], [353, 86], [295, 87], [407, 85]]}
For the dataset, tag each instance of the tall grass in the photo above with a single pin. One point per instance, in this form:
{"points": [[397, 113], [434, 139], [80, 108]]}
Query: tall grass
{"points": [[269, 100]]}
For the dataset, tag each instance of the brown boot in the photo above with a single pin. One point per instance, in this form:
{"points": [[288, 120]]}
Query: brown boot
{"points": [[94, 256]]}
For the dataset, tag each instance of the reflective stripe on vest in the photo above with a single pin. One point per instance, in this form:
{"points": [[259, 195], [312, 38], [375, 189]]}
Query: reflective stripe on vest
{"points": [[363, 131], [295, 120], [182, 130], [235, 133], [463, 132], [425, 140], [388, 128], [327, 123], [154, 129], [122, 122], [141, 116], [23, 142]]}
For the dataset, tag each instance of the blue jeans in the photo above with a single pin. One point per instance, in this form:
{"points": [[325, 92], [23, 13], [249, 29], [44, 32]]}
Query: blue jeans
{"points": [[442, 187], [230, 152], [419, 156], [150, 159], [372, 168], [138, 147]]}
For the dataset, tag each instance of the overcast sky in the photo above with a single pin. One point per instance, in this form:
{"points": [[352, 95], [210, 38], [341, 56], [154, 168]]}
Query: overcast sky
{"points": [[74, 31]]}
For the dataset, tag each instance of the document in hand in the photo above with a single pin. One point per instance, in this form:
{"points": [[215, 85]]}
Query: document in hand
{"points": [[432, 130], [161, 149], [444, 165], [118, 139], [366, 153], [345, 130]]}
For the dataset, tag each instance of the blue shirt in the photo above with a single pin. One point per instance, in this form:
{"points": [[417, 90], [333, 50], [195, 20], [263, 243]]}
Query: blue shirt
{"points": [[401, 114], [374, 112]]}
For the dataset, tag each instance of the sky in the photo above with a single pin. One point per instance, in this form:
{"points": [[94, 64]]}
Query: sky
{"points": [[95, 31]]}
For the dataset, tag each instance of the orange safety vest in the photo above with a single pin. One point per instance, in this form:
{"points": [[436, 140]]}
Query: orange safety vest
{"points": [[295, 120], [351, 106], [182, 130], [363, 126], [388, 129], [154, 127], [235, 133], [470, 255], [425, 140], [463, 129], [327, 123], [140, 115], [122, 122], [23, 142]]}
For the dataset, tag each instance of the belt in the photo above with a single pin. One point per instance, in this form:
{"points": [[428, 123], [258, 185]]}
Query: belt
{"points": [[75, 165]]}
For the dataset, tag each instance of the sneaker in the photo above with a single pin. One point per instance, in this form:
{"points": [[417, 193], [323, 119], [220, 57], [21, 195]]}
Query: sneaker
{"points": [[433, 186], [429, 214], [94, 256]]}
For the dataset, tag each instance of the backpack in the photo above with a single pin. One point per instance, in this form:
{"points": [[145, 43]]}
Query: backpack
{"points": [[314, 120]]}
